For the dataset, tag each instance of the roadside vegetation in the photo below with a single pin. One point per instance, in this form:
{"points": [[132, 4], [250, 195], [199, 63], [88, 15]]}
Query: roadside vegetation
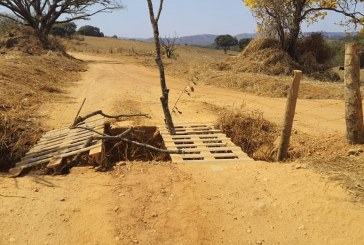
{"points": [[30, 75], [261, 68], [249, 129]]}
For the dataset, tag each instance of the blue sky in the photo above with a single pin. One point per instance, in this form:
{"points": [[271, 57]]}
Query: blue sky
{"points": [[189, 17]]}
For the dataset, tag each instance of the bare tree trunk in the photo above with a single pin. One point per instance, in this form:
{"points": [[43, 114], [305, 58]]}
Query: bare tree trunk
{"points": [[291, 42], [289, 116], [353, 100], [165, 91]]}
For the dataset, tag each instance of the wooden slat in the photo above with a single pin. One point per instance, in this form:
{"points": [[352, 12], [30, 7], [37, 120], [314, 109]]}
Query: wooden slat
{"points": [[204, 132], [201, 144], [179, 142], [53, 150], [69, 140], [54, 163], [58, 144], [212, 149], [89, 123], [66, 154], [73, 132], [188, 125], [172, 137], [215, 161], [56, 152]]}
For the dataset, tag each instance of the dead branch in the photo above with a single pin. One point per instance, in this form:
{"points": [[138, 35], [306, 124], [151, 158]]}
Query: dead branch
{"points": [[79, 111], [100, 112], [104, 136], [91, 129], [65, 168], [152, 147], [121, 136]]}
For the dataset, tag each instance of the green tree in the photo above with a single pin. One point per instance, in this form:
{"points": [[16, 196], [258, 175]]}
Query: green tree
{"points": [[225, 42], [64, 29], [42, 15], [244, 42], [283, 18], [92, 31]]}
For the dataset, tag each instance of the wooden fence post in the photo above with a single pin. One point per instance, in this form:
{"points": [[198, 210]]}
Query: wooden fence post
{"points": [[289, 116], [353, 100]]}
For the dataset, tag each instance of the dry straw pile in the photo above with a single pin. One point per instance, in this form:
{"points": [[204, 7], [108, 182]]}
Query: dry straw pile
{"points": [[264, 56]]}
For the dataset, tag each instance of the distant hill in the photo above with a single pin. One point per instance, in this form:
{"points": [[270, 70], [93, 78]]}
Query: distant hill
{"points": [[199, 40], [208, 39], [246, 35], [203, 39]]}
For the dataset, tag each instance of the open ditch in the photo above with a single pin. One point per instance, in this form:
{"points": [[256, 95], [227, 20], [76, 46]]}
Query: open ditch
{"points": [[124, 151]]}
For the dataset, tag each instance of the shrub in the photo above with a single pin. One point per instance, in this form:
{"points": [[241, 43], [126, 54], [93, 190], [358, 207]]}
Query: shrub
{"points": [[90, 31], [250, 131], [243, 43], [64, 30], [314, 54]]}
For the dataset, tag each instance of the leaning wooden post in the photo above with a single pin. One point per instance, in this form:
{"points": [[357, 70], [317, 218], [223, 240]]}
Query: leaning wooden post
{"points": [[289, 116], [353, 100]]}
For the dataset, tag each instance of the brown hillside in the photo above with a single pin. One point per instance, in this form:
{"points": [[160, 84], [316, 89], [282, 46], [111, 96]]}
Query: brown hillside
{"points": [[25, 83], [23, 41]]}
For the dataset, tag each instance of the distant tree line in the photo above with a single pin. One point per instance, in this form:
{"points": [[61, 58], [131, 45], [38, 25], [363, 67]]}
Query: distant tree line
{"points": [[70, 29], [64, 30], [228, 42], [43, 15]]}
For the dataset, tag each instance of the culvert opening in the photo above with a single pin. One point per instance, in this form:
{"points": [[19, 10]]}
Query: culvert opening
{"points": [[122, 151]]}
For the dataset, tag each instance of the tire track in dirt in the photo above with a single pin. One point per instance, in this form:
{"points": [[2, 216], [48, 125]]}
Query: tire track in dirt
{"points": [[110, 81], [252, 203]]}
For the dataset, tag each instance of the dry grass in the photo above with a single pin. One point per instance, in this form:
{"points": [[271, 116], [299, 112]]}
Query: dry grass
{"points": [[326, 154], [122, 151], [27, 81], [122, 47], [272, 86], [21, 40], [250, 131], [264, 56], [212, 67], [259, 137], [348, 171]]}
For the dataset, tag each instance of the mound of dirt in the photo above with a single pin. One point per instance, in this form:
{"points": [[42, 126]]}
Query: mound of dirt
{"points": [[24, 41], [265, 56], [26, 82], [262, 56]]}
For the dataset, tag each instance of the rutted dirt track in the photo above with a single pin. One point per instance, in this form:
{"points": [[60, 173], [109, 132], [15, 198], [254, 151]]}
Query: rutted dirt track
{"points": [[252, 203]]}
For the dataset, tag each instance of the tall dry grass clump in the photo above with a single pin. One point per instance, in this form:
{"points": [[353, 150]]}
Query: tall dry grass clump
{"points": [[263, 56], [266, 56], [26, 82], [22, 40], [250, 131]]}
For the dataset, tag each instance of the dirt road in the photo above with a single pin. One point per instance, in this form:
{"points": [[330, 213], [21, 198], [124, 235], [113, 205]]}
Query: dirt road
{"points": [[251, 203], [115, 85]]}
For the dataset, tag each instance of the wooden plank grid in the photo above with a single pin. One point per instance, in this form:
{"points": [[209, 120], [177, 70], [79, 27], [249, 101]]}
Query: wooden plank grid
{"points": [[202, 143], [61, 143]]}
